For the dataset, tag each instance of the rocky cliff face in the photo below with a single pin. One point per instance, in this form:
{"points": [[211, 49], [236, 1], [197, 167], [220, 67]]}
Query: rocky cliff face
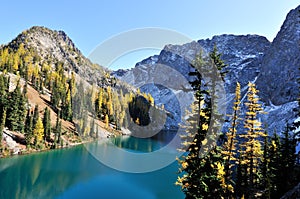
{"points": [[280, 66], [273, 66], [53, 46]]}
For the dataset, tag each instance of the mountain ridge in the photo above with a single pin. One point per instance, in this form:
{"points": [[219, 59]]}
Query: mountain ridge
{"points": [[248, 58]]}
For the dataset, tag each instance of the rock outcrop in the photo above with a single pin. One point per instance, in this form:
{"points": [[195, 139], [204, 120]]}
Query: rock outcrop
{"points": [[277, 80], [273, 66]]}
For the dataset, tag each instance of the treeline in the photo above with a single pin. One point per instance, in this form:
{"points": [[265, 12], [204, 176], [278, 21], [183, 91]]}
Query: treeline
{"points": [[246, 162]]}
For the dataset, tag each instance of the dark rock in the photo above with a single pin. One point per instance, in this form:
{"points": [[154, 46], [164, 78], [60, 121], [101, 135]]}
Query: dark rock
{"points": [[280, 66]]}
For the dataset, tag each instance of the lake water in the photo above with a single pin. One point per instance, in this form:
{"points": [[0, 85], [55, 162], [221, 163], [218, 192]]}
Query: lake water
{"points": [[75, 173]]}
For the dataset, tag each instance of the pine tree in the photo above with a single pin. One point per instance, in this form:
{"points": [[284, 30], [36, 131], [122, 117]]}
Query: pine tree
{"points": [[47, 124], [197, 170], [35, 115], [2, 125], [92, 128], [274, 166], [67, 107], [16, 110], [265, 170], [288, 146], [218, 62], [251, 148], [58, 130], [28, 128]]}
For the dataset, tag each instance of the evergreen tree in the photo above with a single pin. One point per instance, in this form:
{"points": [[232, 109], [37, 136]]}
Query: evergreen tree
{"points": [[2, 125], [194, 181], [28, 128], [58, 130], [35, 115], [274, 167], [16, 110], [47, 124], [288, 146], [55, 97], [92, 128], [218, 62], [67, 107]]}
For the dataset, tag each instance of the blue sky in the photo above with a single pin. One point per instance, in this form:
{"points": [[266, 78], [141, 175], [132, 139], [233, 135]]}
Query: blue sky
{"points": [[90, 22]]}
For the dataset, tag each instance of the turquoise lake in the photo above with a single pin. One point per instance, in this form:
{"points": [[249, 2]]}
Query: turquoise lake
{"points": [[76, 173]]}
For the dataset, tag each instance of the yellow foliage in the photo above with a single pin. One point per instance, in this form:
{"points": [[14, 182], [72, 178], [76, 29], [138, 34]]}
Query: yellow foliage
{"points": [[204, 142], [220, 168], [68, 99], [274, 145], [16, 62], [137, 121], [205, 127], [184, 165], [38, 131], [106, 121]]}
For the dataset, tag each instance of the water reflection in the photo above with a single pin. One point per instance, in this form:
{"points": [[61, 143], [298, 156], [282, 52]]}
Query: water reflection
{"points": [[145, 145], [74, 173], [44, 175]]}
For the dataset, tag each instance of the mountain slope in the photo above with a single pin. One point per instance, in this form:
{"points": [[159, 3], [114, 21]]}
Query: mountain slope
{"points": [[273, 66], [280, 66], [55, 46]]}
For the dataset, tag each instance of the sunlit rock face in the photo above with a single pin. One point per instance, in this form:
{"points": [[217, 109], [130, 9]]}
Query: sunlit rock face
{"points": [[273, 66]]}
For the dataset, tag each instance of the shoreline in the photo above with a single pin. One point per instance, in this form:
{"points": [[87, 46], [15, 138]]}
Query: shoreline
{"points": [[104, 134], [29, 152]]}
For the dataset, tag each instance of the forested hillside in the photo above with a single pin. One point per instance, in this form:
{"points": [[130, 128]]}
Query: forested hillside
{"points": [[52, 96]]}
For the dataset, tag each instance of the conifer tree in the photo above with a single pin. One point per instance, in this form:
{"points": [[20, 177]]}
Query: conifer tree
{"points": [[38, 131], [106, 121], [16, 110], [218, 62], [92, 128], [47, 124], [274, 167], [229, 147], [288, 146], [109, 101], [67, 107], [98, 103], [35, 115], [28, 128], [251, 148], [2, 125], [118, 112], [193, 182], [58, 129]]}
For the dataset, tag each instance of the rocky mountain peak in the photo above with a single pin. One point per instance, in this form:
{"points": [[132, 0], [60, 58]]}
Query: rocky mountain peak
{"points": [[273, 66], [278, 78], [50, 45], [55, 46]]}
